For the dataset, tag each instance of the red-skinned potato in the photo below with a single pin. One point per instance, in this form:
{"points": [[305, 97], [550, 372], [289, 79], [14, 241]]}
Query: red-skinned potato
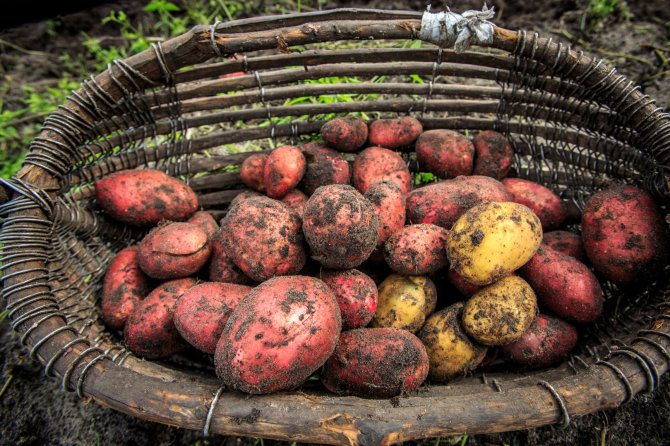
{"points": [[445, 153], [493, 155], [625, 235], [243, 196], [389, 203], [202, 311], [252, 171], [345, 134], [278, 335], [376, 363], [340, 226], [295, 199], [145, 197], [174, 250], [356, 295], [262, 237], [548, 207], [124, 285], [221, 268], [564, 285], [444, 202], [395, 132], [378, 163], [417, 249], [459, 282], [566, 242], [204, 221], [546, 342], [283, 170], [324, 166], [150, 331]]}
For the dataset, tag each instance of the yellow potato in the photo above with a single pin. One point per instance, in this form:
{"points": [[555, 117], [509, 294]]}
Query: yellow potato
{"points": [[500, 313], [491, 240], [404, 302], [450, 351]]}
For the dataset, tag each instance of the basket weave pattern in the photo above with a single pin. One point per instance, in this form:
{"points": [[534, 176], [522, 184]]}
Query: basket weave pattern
{"points": [[574, 123]]}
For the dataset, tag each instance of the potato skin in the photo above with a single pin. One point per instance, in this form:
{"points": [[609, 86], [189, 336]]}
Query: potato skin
{"points": [[356, 295], [150, 331], [124, 285], [252, 171], [346, 134], [145, 197], [564, 285], [500, 313], [492, 240], [278, 335], [415, 250], [340, 226], [546, 342], [566, 242], [262, 237], [404, 302], [450, 350], [376, 363], [324, 166], [466, 288], [283, 170], [174, 250], [548, 207], [221, 267], [389, 204], [204, 221], [624, 234], [442, 203], [494, 155], [295, 199], [445, 153], [201, 312], [379, 163], [394, 132]]}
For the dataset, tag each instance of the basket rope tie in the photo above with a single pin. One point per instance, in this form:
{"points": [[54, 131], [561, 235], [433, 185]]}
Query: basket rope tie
{"points": [[66, 348], [65, 384], [645, 363], [210, 412], [212, 41], [658, 346], [447, 29], [565, 415]]}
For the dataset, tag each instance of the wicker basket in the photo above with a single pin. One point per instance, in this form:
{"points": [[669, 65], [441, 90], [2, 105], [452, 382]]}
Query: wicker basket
{"points": [[575, 125]]}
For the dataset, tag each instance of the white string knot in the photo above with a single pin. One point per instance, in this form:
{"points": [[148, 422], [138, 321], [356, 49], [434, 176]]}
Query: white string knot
{"points": [[447, 28]]}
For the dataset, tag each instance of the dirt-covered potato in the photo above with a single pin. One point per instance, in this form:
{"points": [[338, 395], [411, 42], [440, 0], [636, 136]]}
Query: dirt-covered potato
{"points": [[491, 240], [376, 363], [295, 199], [415, 250], [567, 242], [378, 164], [389, 204], [324, 166], [144, 197], [493, 155], [393, 133], [549, 208], [221, 268], [346, 134], [404, 302], [252, 171], [278, 335], [445, 153], [356, 294], [466, 288], [283, 170], [500, 313], [450, 349], [204, 221]]}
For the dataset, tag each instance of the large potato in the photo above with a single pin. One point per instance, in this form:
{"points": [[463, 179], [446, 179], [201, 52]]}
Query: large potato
{"points": [[450, 350], [500, 313], [379, 164], [416, 249], [549, 207], [404, 302], [492, 240]]}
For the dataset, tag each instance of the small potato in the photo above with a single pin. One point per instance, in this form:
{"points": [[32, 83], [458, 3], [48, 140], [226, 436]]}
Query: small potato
{"points": [[145, 197], [445, 153], [262, 237], [346, 134], [450, 350], [404, 302], [494, 155], [378, 164], [492, 240], [466, 288], [324, 166], [500, 313], [356, 294], [150, 331], [252, 171], [221, 268], [295, 199], [243, 196], [204, 221], [174, 250], [376, 363], [340, 226], [625, 235], [442, 203], [278, 335], [201, 312], [546, 342], [564, 285], [415, 250], [394, 133], [389, 204], [566, 242], [124, 286], [283, 170], [549, 208]]}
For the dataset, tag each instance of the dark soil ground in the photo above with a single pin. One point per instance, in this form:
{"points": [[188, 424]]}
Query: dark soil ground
{"points": [[635, 38]]}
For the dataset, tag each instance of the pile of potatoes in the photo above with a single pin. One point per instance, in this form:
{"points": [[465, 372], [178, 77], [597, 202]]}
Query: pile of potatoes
{"points": [[348, 271]]}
